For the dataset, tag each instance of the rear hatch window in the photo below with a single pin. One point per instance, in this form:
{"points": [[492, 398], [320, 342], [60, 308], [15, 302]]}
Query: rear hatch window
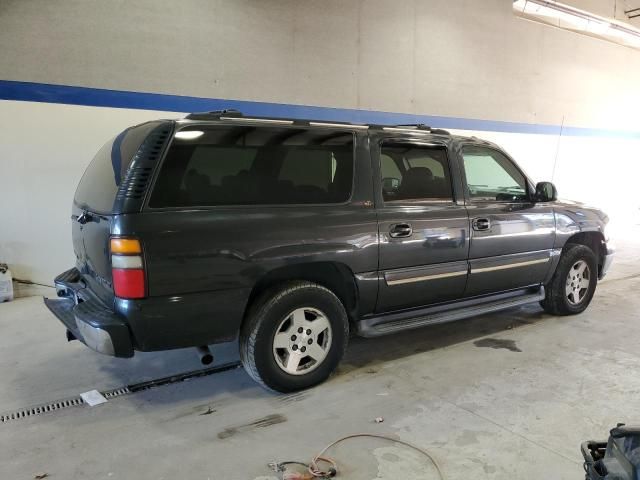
{"points": [[99, 185]]}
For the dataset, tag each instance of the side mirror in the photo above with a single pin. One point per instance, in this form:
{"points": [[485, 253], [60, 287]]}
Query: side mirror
{"points": [[546, 192]]}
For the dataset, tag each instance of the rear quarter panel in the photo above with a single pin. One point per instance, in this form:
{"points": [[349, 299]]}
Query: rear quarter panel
{"points": [[231, 248]]}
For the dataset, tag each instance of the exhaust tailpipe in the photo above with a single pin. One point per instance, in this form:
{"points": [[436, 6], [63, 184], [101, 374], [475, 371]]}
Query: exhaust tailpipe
{"points": [[206, 357]]}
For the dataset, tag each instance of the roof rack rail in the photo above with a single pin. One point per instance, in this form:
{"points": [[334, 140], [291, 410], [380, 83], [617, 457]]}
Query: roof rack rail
{"points": [[422, 126], [216, 114], [418, 126], [233, 114]]}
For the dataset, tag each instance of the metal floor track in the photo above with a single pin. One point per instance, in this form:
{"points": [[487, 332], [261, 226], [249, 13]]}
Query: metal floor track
{"points": [[77, 401]]}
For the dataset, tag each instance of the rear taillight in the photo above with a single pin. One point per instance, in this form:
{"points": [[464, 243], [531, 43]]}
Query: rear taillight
{"points": [[127, 268]]}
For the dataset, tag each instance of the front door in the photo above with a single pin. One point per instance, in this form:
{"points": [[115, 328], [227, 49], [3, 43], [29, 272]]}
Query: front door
{"points": [[511, 235], [423, 230]]}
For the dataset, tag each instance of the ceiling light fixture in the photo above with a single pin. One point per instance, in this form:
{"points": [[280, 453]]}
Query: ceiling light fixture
{"points": [[571, 18]]}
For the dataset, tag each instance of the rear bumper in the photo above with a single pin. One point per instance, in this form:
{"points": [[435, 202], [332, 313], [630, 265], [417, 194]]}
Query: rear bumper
{"points": [[148, 324], [87, 318]]}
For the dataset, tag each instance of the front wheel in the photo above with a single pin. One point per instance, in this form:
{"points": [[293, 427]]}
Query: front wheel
{"points": [[294, 336], [574, 282]]}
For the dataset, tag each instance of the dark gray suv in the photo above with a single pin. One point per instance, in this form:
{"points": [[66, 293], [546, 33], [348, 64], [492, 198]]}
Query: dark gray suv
{"points": [[291, 235]]}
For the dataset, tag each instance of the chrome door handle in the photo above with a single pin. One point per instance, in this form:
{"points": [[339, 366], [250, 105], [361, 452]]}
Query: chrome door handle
{"points": [[481, 224], [400, 230]]}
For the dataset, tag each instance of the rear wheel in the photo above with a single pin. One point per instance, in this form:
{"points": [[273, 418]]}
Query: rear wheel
{"points": [[294, 336], [574, 282]]}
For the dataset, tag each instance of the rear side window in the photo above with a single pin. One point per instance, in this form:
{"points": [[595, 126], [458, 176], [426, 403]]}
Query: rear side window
{"points": [[255, 166], [414, 172], [99, 183]]}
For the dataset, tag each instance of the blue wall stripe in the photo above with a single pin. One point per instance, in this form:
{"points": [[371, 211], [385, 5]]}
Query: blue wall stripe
{"points": [[98, 97]]}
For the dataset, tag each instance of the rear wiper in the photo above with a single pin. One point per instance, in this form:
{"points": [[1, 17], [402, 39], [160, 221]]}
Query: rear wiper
{"points": [[83, 218]]}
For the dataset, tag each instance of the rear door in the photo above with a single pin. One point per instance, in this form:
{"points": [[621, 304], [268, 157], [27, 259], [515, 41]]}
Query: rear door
{"points": [[511, 236], [423, 226]]}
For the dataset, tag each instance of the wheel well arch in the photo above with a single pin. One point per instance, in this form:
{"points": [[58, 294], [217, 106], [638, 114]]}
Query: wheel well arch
{"points": [[593, 240], [334, 276]]}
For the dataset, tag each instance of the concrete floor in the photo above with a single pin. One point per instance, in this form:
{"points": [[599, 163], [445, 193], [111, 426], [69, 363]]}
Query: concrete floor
{"points": [[519, 409]]}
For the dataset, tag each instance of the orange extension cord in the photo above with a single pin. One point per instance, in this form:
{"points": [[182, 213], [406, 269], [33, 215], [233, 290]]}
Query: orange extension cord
{"points": [[314, 470]]}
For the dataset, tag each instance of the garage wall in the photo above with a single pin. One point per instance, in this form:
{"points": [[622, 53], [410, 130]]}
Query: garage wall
{"points": [[565, 105]]}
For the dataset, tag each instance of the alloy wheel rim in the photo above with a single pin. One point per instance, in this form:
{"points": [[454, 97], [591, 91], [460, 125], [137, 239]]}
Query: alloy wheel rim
{"points": [[578, 281], [302, 341]]}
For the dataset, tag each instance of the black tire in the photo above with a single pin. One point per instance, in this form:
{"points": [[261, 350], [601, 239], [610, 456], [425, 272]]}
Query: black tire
{"points": [[556, 301], [259, 329]]}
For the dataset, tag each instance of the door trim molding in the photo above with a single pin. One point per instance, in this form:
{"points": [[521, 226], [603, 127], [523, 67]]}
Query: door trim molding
{"points": [[509, 265], [423, 278]]}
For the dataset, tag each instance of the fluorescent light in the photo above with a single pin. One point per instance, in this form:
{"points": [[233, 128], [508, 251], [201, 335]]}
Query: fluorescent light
{"points": [[598, 27], [571, 18], [189, 134]]}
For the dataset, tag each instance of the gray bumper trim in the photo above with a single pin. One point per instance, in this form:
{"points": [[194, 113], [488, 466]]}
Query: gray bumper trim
{"points": [[607, 260], [88, 319], [96, 338], [95, 326]]}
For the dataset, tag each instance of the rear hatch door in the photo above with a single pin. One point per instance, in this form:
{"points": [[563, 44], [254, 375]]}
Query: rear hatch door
{"points": [[114, 183]]}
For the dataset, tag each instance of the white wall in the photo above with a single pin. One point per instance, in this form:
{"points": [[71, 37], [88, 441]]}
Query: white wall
{"points": [[44, 149], [455, 58], [461, 58]]}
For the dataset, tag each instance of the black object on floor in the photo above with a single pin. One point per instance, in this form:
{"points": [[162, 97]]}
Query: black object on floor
{"points": [[616, 459]]}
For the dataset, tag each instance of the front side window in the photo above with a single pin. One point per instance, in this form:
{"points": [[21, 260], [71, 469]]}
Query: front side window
{"points": [[413, 172], [491, 176], [255, 166]]}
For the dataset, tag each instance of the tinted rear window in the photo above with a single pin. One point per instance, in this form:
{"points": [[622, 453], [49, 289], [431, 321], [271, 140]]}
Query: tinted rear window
{"points": [[256, 165], [415, 172], [99, 184]]}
